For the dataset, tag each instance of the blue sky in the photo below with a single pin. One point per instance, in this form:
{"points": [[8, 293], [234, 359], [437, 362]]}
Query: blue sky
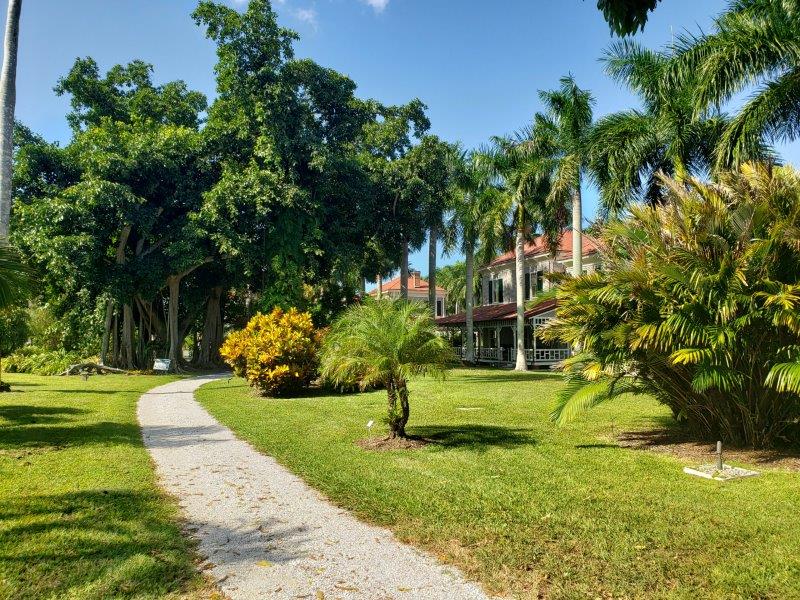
{"points": [[477, 65]]}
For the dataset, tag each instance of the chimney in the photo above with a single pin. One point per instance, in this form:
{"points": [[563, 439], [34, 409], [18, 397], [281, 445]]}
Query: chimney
{"points": [[415, 279]]}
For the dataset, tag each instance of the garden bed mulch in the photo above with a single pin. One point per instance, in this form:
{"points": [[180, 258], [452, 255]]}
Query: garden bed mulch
{"points": [[665, 441], [383, 444]]}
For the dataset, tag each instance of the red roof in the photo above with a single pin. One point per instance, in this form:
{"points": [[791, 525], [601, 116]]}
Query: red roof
{"points": [[538, 246], [416, 284], [496, 312]]}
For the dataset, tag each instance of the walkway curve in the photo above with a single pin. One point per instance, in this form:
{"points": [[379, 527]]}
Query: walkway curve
{"points": [[265, 533]]}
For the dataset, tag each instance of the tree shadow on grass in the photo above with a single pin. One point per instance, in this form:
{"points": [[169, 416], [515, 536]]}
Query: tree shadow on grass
{"points": [[114, 543], [473, 436], [24, 414], [48, 436], [120, 543]]}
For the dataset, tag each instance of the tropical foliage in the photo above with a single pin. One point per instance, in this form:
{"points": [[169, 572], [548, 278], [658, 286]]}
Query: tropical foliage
{"points": [[276, 353], [756, 43], [630, 148], [698, 304], [385, 343], [626, 17]]}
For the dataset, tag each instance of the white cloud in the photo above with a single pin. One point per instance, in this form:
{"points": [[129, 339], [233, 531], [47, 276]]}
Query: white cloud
{"points": [[306, 15], [378, 5]]}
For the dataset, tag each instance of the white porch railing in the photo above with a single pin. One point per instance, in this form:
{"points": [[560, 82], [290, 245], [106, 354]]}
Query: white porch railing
{"points": [[552, 355], [487, 353]]}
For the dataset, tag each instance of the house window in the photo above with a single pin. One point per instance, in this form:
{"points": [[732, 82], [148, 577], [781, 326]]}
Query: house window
{"points": [[528, 290], [439, 308], [540, 281], [495, 291]]}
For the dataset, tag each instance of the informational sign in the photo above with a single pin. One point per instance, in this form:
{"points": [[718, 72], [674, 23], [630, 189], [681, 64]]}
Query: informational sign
{"points": [[162, 364]]}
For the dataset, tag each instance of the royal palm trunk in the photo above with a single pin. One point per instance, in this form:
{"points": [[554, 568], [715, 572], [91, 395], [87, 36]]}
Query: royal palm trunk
{"points": [[522, 363], [404, 271], [577, 232], [432, 242], [8, 100], [470, 301]]}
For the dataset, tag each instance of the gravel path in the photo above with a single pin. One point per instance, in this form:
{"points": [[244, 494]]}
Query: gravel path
{"points": [[265, 533]]}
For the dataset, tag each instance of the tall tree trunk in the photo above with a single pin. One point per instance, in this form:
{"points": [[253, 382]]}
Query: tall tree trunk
{"points": [[521, 364], [404, 271], [470, 293], [362, 286], [380, 287], [8, 100], [115, 340], [432, 249], [107, 332], [212, 329], [577, 232], [175, 343], [127, 361]]}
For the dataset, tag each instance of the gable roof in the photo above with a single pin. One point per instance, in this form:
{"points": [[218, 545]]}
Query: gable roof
{"points": [[538, 247], [394, 285]]}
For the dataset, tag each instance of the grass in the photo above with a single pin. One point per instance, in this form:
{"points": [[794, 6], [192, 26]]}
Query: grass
{"points": [[527, 508], [80, 513]]}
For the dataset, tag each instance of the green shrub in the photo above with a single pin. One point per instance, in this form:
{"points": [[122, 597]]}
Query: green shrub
{"points": [[14, 329], [277, 353], [31, 359], [698, 304]]}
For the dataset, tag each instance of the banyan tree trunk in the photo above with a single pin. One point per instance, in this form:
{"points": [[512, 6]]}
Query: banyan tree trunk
{"points": [[107, 332], [175, 343], [211, 339], [127, 358]]}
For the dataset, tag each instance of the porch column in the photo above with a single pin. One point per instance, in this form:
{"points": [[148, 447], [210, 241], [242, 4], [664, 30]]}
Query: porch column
{"points": [[514, 332], [533, 333], [499, 347]]}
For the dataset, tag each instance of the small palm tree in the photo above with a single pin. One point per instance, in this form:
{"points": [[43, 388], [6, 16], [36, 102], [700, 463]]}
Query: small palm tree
{"points": [[385, 342]]}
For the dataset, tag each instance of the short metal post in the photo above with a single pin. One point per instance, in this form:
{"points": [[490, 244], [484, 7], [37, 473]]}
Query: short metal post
{"points": [[719, 456]]}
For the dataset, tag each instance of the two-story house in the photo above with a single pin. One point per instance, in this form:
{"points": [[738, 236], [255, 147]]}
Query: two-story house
{"points": [[417, 290], [495, 319]]}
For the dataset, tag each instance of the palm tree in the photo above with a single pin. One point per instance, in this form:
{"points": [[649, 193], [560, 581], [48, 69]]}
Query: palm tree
{"points": [[523, 173], [628, 149], [8, 100], [563, 133], [474, 197], [754, 42], [697, 305], [385, 343]]}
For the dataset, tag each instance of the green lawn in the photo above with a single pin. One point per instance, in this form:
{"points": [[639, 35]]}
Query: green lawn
{"points": [[526, 508], [80, 513]]}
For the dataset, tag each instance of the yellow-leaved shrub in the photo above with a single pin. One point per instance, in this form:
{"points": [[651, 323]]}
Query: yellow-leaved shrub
{"points": [[277, 353]]}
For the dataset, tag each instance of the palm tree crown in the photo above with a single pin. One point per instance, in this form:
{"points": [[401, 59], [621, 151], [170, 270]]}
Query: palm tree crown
{"points": [[628, 149], [756, 42]]}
